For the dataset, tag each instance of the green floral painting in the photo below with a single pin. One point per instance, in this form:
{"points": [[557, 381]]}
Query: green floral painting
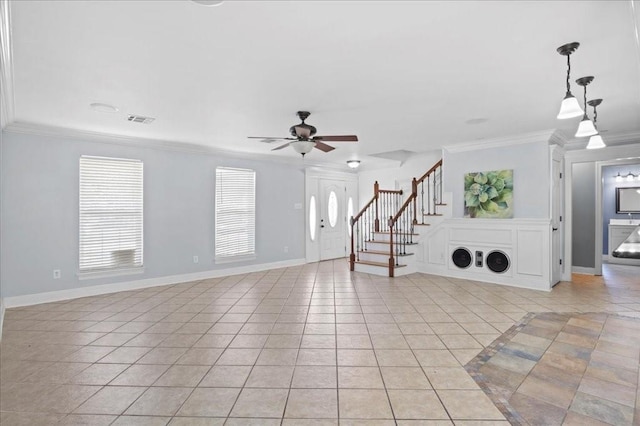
{"points": [[489, 194]]}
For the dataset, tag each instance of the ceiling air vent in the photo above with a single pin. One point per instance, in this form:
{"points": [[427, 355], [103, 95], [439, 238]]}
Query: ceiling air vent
{"points": [[140, 119]]}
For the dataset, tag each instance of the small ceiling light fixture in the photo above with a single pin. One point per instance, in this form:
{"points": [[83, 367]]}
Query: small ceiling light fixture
{"points": [[102, 107], [570, 107], [586, 127], [353, 163], [209, 2], [595, 142], [303, 147]]}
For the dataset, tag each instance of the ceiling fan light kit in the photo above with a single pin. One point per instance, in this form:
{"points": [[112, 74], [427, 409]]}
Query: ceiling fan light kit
{"points": [[303, 147], [303, 138]]}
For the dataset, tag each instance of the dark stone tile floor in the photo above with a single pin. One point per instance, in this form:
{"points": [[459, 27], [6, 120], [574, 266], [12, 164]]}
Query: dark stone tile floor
{"points": [[564, 369]]}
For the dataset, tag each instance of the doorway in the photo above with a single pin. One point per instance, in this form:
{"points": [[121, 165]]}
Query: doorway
{"points": [[330, 198]]}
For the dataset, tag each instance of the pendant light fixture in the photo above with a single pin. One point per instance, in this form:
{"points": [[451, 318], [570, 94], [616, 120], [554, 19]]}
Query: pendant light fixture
{"points": [[595, 141], [570, 107], [586, 127]]}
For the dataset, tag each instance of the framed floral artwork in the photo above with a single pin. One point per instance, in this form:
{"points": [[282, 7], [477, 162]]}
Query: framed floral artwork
{"points": [[489, 194]]}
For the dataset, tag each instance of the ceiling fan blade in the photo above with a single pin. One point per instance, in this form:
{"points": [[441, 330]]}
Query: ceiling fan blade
{"points": [[268, 139], [343, 138], [324, 147], [281, 146]]}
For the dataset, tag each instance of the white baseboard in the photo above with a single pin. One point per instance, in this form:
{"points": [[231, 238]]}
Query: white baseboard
{"points": [[55, 296], [583, 270]]}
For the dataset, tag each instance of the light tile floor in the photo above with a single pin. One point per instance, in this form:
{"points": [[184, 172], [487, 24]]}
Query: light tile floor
{"points": [[313, 344]]}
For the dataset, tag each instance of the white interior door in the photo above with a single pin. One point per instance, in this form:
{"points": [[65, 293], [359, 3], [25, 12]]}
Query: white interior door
{"points": [[556, 221], [332, 216]]}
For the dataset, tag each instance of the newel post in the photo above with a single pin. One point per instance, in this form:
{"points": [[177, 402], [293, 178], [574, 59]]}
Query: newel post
{"points": [[352, 256], [376, 190], [392, 263], [414, 194]]}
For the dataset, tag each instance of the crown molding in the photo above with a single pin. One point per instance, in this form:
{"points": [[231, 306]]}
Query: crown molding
{"points": [[610, 139], [550, 136], [609, 153], [7, 100], [161, 144]]}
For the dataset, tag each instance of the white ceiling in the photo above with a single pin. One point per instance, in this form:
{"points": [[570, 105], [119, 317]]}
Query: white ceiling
{"points": [[400, 75]]}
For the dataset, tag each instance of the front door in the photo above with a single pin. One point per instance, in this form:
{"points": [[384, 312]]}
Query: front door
{"points": [[332, 220]]}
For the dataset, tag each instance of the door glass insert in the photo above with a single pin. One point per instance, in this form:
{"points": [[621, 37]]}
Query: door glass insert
{"points": [[332, 209], [312, 217], [349, 214]]}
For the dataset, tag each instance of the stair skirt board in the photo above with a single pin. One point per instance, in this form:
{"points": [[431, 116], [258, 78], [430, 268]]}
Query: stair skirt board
{"points": [[374, 268], [378, 257]]}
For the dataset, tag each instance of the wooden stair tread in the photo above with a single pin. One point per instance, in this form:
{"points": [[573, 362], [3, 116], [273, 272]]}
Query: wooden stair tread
{"points": [[382, 252], [382, 264], [432, 214], [387, 233], [387, 242], [440, 204]]}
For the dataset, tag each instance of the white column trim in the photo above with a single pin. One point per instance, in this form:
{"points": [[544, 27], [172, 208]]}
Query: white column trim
{"points": [[7, 101]]}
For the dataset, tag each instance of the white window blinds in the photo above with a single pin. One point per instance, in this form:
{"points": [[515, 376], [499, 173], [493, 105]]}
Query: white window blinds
{"points": [[235, 212], [110, 213]]}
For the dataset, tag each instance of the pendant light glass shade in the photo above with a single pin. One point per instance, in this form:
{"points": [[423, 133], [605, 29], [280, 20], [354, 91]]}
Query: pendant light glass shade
{"points": [[595, 142], [586, 128], [569, 108]]}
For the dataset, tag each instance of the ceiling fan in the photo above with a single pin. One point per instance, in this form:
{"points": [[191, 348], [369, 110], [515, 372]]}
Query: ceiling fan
{"points": [[303, 138]]}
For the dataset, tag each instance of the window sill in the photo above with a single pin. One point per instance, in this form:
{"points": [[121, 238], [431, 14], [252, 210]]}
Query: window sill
{"points": [[233, 259], [109, 273]]}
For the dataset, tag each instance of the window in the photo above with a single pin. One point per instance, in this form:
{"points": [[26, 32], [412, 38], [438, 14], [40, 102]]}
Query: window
{"points": [[235, 213], [110, 214], [332, 209]]}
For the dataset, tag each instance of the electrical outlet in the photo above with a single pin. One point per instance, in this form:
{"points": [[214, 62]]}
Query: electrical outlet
{"points": [[56, 274], [195, 259], [286, 249]]}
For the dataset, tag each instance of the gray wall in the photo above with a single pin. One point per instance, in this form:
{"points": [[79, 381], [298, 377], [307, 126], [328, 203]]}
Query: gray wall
{"points": [[609, 197], [531, 175], [583, 189], [39, 212]]}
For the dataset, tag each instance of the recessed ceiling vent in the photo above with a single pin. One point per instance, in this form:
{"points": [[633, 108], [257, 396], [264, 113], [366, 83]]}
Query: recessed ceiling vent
{"points": [[400, 155], [140, 119]]}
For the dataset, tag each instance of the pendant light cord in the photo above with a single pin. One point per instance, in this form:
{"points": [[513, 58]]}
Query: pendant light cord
{"points": [[585, 117], [568, 73]]}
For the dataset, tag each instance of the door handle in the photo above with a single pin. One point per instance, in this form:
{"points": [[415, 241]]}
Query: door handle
{"points": [[321, 223]]}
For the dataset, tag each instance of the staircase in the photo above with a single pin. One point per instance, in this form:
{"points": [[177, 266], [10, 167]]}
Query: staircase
{"points": [[387, 231]]}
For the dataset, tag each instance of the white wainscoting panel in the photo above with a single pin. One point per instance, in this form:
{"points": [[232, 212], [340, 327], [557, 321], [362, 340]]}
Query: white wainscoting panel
{"points": [[530, 248], [526, 243]]}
